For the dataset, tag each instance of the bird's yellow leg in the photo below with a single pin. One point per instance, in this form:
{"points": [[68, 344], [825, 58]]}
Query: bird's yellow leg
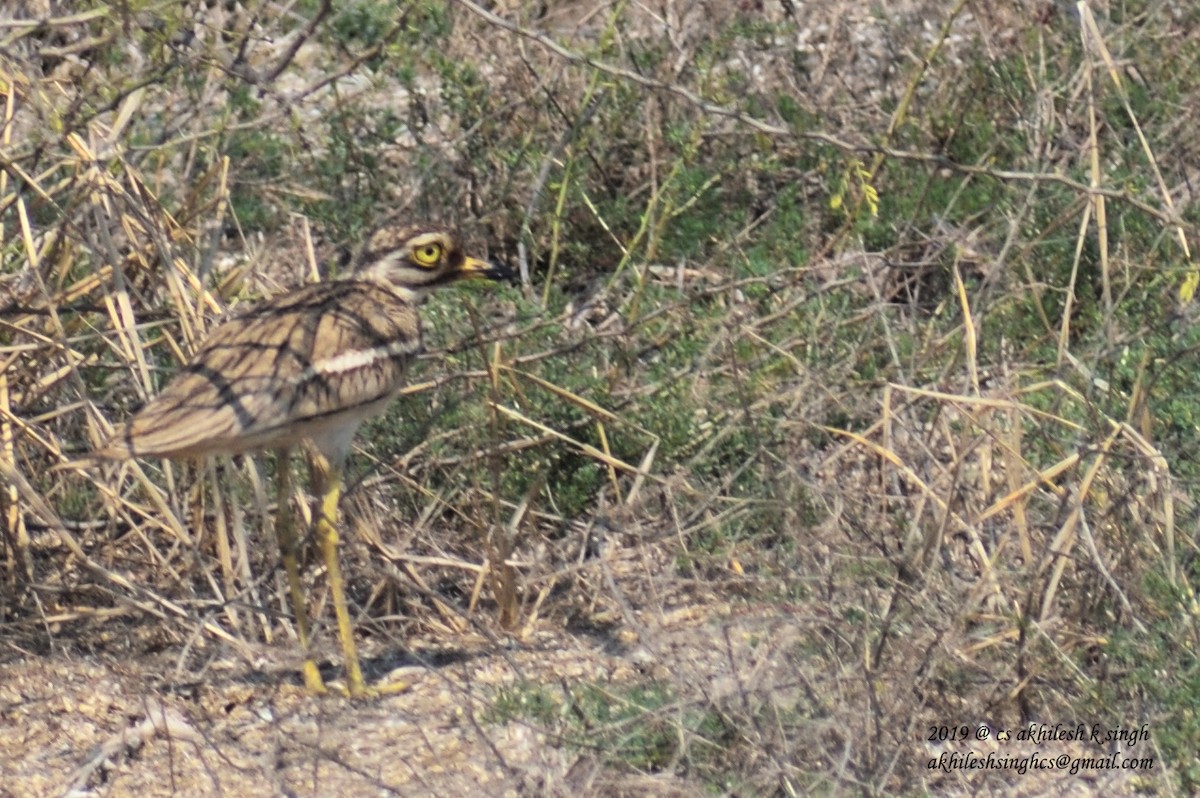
{"points": [[327, 537], [289, 549]]}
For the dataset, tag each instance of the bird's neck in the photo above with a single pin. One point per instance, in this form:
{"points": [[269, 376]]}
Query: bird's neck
{"points": [[378, 275]]}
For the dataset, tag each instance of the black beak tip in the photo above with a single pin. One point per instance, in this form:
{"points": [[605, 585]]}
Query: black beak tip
{"points": [[501, 272]]}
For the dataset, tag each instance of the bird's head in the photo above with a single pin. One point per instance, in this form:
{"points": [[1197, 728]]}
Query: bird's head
{"points": [[412, 258]]}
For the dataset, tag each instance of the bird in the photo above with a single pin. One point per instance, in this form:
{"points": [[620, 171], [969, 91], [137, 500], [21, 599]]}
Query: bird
{"points": [[307, 366]]}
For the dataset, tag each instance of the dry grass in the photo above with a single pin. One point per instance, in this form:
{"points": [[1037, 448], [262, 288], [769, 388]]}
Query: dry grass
{"points": [[847, 395]]}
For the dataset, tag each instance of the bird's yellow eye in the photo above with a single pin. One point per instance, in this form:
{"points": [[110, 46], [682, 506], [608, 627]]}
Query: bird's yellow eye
{"points": [[427, 254]]}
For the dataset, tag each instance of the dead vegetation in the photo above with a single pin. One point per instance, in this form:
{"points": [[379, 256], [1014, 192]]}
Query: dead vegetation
{"points": [[847, 400]]}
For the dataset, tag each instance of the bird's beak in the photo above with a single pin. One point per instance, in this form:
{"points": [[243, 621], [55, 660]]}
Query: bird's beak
{"points": [[473, 267]]}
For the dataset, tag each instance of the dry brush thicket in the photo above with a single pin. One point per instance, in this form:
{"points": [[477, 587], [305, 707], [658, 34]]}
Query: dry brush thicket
{"points": [[847, 393]]}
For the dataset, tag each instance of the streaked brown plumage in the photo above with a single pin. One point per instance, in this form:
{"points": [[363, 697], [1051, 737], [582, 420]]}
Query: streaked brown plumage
{"points": [[305, 365], [308, 365]]}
